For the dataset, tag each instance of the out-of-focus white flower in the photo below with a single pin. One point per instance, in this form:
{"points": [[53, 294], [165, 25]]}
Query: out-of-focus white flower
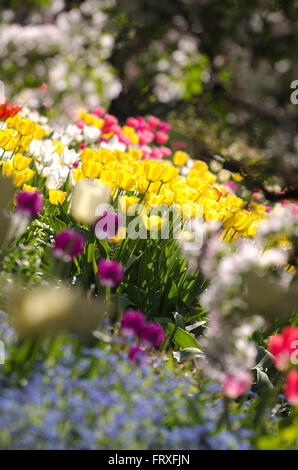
{"points": [[87, 197], [113, 144], [91, 133], [68, 156]]}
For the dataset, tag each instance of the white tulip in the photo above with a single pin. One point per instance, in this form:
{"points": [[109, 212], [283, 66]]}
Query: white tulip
{"points": [[87, 196]]}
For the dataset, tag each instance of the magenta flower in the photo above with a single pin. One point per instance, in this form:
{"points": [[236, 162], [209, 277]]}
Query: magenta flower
{"points": [[133, 322], [164, 127], [110, 273], [106, 226], [153, 335], [29, 203], [68, 244], [138, 355]]}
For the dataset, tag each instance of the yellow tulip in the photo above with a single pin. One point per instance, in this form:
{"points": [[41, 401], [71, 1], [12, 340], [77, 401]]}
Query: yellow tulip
{"points": [[257, 208], [222, 189], [20, 162], [91, 169], [154, 200], [8, 168], [196, 182], [88, 119], [153, 170], [21, 177], [213, 214], [111, 165], [57, 197], [170, 173], [129, 131], [24, 142], [209, 177], [128, 204], [144, 185], [89, 154], [105, 156], [213, 193], [125, 180], [12, 121], [153, 222], [29, 189], [135, 153], [59, 146], [168, 195], [121, 156], [234, 201], [28, 174], [188, 209], [251, 231], [186, 193], [25, 127], [108, 175], [237, 177], [78, 174], [4, 138], [97, 122], [137, 168], [200, 166], [10, 144], [108, 135], [180, 158], [39, 133]]}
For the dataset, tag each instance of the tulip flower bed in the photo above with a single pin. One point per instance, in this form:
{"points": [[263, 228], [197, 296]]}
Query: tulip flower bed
{"points": [[147, 301]]}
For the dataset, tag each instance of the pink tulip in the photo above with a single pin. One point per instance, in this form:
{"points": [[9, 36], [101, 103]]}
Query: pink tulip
{"points": [[110, 120], [99, 112], [284, 347], [291, 388], [236, 385], [161, 137], [132, 122]]}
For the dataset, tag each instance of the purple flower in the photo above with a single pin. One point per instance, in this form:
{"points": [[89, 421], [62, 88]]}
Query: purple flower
{"points": [[110, 273], [30, 203], [68, 244], [138, 355], [153, 335], [133, 321], [106, 226]]}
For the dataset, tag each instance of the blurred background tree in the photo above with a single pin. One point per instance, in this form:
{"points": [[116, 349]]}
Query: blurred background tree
{"points": [[219, 71]]}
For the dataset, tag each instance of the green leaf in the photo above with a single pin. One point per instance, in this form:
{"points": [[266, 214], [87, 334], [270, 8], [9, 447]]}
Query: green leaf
{"points": [[106, 247], [182, 338], [173, 291]]}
